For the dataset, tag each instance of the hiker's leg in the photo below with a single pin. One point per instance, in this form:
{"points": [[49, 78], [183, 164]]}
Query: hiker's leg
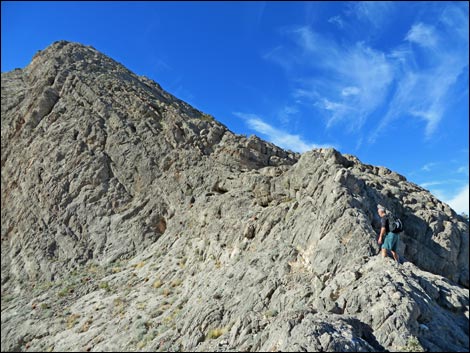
{"points": [[384, 252], [385, 245], [394, 247]]}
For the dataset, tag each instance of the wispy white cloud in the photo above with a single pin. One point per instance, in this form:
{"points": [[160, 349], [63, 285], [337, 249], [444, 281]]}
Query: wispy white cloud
{"points": [[374, 12], [445, 182], [422, 34], [161, 65], [460, 201], [455, 17], [277, 136], [350, 91], [418, 95], [337, 20], [428, 184], [350, 82], [462, 170], [428, 166], [286, 114], [423, 91], [454, 192], [277, 55]]}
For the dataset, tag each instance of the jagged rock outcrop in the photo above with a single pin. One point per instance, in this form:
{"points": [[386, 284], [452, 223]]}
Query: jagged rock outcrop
{"points": [[132, 221]]}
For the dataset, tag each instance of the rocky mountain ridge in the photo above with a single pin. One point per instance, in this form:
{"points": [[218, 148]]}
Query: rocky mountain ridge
{"points": [[132, 221]]}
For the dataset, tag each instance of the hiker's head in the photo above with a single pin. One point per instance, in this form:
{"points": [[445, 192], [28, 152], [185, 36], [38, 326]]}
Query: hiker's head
{"points": [[381, 210]]}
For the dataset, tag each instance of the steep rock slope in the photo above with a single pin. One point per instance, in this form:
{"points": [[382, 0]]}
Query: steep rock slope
{"points": [[132, 221]]}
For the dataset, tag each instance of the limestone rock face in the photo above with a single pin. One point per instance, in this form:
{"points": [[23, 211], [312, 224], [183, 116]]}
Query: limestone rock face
{"points": [[132, 221]]}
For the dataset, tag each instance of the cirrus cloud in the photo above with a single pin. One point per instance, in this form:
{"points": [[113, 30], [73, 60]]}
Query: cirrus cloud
{"points": [[277, 136]]}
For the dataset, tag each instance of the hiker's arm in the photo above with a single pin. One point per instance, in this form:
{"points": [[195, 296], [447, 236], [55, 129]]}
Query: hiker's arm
{"points": [[382, 233]]}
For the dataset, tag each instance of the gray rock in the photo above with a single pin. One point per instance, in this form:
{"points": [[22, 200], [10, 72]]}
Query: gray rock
{"points": [[132, 221]]}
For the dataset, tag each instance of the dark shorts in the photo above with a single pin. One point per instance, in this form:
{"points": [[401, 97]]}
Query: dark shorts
{"points": [[391, 242]]}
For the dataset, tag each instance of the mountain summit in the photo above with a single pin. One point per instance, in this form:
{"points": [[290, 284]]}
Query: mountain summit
{"points": [[132, 221]]}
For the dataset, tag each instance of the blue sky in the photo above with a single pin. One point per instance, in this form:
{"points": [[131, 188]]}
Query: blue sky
{"points": [[384, 81]]}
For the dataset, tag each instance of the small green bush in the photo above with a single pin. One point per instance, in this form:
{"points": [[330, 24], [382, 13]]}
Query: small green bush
{"points": [[412, 345], [215, 333]]}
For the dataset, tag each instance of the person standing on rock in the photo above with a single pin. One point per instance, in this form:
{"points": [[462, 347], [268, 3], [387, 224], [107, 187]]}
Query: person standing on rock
{"points": [[387, 239]]}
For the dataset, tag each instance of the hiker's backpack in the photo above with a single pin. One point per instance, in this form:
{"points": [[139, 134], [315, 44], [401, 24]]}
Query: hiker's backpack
{"points": [[395, 224]]}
